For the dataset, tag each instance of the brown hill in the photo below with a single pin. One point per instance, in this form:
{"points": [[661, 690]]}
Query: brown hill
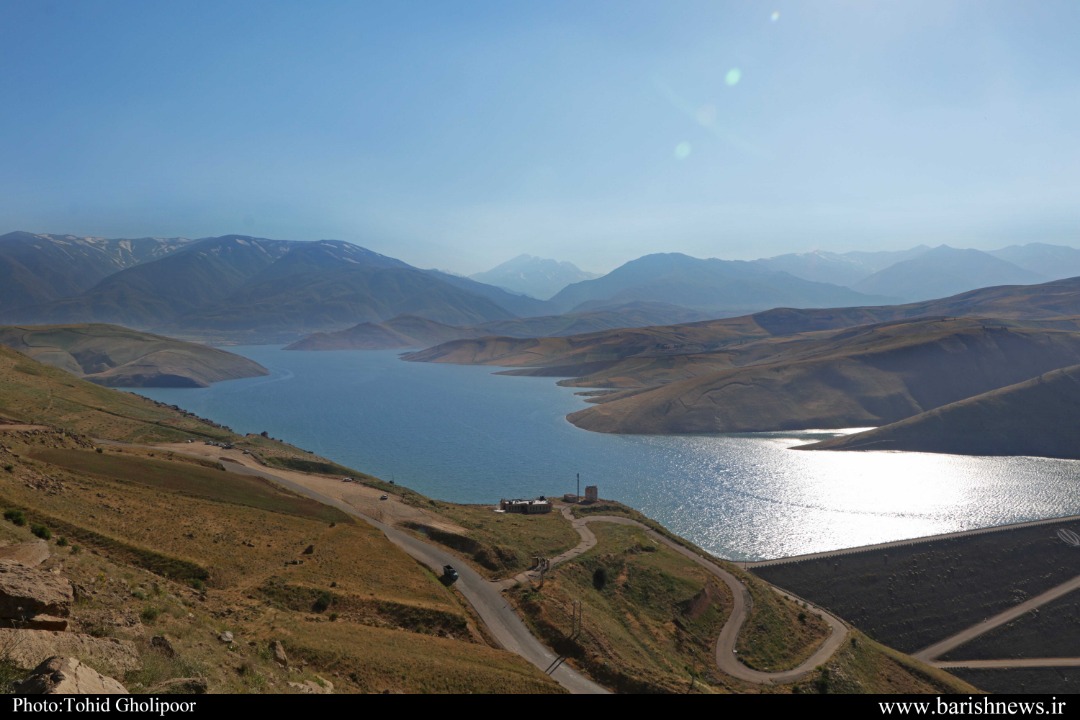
{"points": [[866, 376], [1053, 304], [406, 331], [1035, 417], [119, 357]]}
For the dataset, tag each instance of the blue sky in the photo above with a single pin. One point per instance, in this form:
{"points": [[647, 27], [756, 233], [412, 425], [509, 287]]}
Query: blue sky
{"points": [[457, 134]]}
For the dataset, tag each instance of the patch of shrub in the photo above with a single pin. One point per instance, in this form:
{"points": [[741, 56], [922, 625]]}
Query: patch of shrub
{"points": [[322, 602], [599, 577], [149, 614], [16, 516], [41, 531]]}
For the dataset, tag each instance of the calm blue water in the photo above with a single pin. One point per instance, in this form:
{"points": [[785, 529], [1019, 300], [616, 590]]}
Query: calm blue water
{"points": [[463, 434]]}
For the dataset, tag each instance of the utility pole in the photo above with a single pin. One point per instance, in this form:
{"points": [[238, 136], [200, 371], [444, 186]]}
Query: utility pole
{"points": [[578, 488]]}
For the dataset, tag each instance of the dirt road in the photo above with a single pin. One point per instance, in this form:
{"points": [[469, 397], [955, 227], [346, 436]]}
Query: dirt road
{"points": [[501, 621]]}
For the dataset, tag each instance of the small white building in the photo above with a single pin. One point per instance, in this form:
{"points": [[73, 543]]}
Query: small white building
{"points": [[526, 507]]}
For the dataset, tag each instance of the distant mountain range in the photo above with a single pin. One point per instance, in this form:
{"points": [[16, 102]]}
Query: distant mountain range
{"points": [[944, 271], [36, 269], [843, 269], [238, 288], [537, 277], [724, 287], [818, 368], [263, 290]]}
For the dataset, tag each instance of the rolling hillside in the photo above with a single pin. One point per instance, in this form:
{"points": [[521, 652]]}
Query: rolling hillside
{"points": [[1035, 417], [869, 375], [119, 357], [787, 368], [407, 331]]}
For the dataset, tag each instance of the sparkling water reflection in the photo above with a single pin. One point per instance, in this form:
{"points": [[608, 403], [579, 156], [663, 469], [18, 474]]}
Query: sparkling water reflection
{"points": [[466, 435]]}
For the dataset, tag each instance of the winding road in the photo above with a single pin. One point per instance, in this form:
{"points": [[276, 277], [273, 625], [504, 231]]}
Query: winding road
{"points": [[502, 621], [726, 656]]}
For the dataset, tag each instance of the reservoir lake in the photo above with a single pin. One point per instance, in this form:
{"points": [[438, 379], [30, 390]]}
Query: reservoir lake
{"points": [[465, 434]]}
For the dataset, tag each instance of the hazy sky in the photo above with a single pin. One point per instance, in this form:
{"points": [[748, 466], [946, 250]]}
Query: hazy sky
{"points": [[459, 133]]}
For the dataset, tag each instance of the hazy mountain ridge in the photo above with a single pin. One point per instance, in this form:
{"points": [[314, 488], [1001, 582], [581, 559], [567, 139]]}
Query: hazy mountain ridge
{"points": [[722, 286], [843, 269], [945, 271], [40, 268], [537, 277], [263, 288], [1054, 262]]}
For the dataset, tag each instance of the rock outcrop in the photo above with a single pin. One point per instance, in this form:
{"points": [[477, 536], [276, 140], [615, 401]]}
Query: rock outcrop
{"points": [[28, 648], [30, 554], [26, 593], [68, 676]]}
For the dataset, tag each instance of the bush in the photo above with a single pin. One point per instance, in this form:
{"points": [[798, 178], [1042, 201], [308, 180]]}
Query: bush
{"points": [[9, 468], [62, 542], [599, 578], [41, 531], [322, 602], [149, 614], [16, 516]]}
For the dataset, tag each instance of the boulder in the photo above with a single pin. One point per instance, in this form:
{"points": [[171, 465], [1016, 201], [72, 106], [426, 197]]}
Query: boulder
{"points": [[67, 676], [30, 554], [26, 592], [43, 622], [28, 648], [278, 651]]}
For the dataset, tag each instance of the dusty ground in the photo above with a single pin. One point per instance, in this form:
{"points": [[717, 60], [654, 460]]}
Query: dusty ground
{"points": [[365, 499]]}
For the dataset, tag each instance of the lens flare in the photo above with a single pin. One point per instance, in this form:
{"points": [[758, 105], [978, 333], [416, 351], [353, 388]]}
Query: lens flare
{"points": [[734, 75], [682, 150], [775, 15]]}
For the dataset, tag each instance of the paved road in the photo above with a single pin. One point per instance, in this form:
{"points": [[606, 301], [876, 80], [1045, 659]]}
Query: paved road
{"points": [[501, 621]]}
